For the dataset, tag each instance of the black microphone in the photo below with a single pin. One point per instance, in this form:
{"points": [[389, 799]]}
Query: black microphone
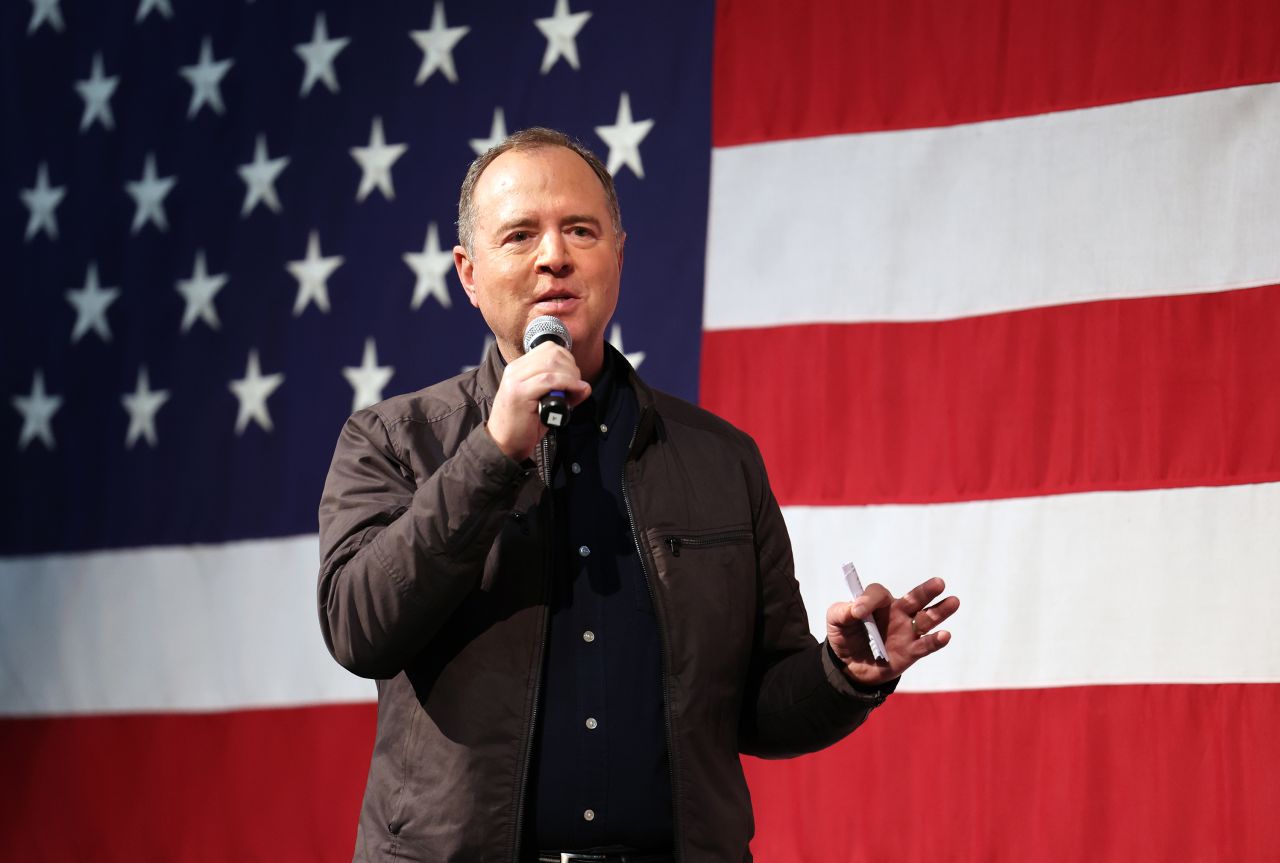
{"points": [[553, 408]]}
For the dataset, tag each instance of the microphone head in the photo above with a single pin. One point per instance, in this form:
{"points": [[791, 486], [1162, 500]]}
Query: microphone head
{"points": [[546, 327]]}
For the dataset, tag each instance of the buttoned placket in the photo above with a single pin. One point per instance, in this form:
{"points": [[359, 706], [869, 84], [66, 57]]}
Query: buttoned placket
{"points": [[581, 458], [581, 464], [597, 590]]}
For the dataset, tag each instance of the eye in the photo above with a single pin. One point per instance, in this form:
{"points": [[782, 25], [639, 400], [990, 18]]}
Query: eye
{"points": [[582, 232], [519, 236]]}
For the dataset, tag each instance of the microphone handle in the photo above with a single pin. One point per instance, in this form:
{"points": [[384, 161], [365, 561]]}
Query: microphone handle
{"points": [[553, 409]]}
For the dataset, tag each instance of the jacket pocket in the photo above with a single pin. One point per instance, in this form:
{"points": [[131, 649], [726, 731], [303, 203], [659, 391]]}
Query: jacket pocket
{"points": [[707, 578], [396, 815], [678, 543], [688, 547]]}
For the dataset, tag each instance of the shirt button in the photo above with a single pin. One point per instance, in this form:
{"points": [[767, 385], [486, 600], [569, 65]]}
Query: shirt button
{"points": [[604, 429], [575, 467], [591, 723], [583, 551], [589, 815], [588, 636]]}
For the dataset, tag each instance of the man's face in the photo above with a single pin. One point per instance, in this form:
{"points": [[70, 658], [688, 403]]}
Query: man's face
{"points": [[544, 244]]}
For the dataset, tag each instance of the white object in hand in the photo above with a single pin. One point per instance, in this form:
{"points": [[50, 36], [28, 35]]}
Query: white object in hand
{"points": [[873, 631]]}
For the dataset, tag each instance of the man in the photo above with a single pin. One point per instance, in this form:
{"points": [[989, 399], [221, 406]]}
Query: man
{"points": [[575, 633]]}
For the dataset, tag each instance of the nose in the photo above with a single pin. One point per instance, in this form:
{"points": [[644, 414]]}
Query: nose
{"points": [[553, 255]]}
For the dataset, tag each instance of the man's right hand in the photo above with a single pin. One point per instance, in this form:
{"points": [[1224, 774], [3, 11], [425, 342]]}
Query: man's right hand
{"points": [[514, 424]]}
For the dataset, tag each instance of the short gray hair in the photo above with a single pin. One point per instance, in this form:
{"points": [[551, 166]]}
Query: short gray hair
{"points": [[535, 138]]}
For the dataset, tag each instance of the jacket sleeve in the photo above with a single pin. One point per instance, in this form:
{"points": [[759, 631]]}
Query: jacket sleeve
{"points": [[398, 553], [798, 699]]}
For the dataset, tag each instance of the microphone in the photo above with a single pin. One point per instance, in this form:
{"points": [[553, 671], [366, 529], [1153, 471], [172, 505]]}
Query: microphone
{"points": [[553, 408]]}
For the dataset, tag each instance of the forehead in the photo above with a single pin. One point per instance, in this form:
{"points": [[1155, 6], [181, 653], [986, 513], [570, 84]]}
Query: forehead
{"points": [[545, 178]]}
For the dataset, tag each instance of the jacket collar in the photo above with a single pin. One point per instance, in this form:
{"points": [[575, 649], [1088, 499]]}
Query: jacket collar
{"points": [[489, 374], [649, 425]]}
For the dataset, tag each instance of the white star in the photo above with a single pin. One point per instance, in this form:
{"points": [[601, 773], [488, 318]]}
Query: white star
{"points": [[312, 273], [205, 78], [368, 378], [484, 352], [497, 134], [199, 291], [319, 55], [142, 405], [624, 138], [561, 30], [437, 46], [42, 201], [45, 10], [145, 7], [375, 163], [148, 195], [97, 90], [253, 390], [260, 178], [37, 410], [91, 303], [615, 339], [430, 265]]}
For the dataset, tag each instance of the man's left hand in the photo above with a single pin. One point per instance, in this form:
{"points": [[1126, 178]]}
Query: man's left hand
{"points": [[907, 625]]}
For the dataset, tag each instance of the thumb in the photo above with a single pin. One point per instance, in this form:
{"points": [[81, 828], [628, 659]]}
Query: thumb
{"points": [[842, 614]]}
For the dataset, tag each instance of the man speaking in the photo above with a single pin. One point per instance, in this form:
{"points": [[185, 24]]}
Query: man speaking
{"points": [[576, 624]]}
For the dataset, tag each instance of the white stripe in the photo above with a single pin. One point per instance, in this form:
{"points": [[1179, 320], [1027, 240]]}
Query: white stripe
{"points": [[1168, 586], [1127, 587], [159, 629], [1164, 196]]}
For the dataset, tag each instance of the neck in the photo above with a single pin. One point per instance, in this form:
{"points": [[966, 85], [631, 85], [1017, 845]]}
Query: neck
{"points": [[592, 365]]}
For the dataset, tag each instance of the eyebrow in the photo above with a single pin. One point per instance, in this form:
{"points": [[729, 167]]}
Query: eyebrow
{"points": [[527, 221]]}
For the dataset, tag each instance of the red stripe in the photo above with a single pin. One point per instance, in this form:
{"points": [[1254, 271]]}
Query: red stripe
{"points": [[1124, 394], [832, 66], [255, 785], [1134, 773], [1033, 774]]}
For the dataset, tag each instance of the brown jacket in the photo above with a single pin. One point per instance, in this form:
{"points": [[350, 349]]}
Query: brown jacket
{"points": [[434, 581]]}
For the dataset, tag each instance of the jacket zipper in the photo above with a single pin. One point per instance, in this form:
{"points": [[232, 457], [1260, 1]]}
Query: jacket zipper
{"points": [[662, 645], [545, 470], [678, 542]]}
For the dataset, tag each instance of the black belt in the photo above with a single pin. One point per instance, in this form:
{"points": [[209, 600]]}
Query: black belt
{"points": [[601, 857]]}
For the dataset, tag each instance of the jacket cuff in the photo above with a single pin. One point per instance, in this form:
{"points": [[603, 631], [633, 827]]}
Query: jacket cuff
{"points": [[484, 452], [843, 683]]}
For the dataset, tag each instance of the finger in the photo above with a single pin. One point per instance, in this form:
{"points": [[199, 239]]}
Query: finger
{"points": [[546, 357], [921, 595], [912, 653], [928, 618], [549, 348], [874, 597], [843, 615], [535, 387], [926, 644]]}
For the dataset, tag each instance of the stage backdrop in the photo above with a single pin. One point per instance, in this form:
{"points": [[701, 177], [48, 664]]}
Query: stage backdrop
{"points": [[995, 285]]}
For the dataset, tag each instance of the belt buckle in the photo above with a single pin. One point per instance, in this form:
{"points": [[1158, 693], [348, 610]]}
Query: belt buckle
{"points": [[570, 857]]}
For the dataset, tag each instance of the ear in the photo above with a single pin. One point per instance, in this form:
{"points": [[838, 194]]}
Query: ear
{"points": [[466, 273]]}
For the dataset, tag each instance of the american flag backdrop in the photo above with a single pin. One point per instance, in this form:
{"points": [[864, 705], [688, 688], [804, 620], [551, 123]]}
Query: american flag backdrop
{"points": [[995, 285]]}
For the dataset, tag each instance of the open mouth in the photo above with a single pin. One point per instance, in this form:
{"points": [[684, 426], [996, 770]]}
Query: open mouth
{"points": [[555, 299]]}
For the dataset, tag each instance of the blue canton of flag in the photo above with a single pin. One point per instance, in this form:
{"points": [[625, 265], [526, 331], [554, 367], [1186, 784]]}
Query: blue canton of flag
{"points": [[230, 224]]}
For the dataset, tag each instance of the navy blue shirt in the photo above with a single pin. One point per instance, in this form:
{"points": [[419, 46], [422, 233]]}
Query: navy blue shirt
{"points": [[600, 775]]}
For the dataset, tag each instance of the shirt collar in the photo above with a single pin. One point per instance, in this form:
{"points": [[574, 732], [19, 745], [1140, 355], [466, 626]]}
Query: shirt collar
{"points": [[604, 389]]}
